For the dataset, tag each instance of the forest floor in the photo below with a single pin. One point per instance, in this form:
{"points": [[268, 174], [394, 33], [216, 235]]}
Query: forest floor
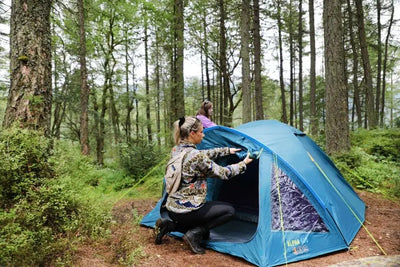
{"points": [[382, 221]]}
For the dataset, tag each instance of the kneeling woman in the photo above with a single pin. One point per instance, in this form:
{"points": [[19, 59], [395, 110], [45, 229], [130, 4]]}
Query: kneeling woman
{"points": [[187, 207]]}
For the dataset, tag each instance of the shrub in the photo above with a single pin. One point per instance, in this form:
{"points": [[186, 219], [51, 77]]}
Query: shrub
{"points": [[384, 144], [42, 226], [137, 159], [36, 228], [24, 163], [373, 161], [42, 214]]}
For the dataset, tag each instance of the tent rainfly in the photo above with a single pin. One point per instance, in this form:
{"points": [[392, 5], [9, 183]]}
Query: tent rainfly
{"points": [[291, 204]]}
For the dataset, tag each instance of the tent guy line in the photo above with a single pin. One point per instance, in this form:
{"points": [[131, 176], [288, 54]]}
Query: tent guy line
{"points": [[352, 211]]}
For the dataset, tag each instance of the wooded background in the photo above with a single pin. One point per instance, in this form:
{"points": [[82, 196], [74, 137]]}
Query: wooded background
{"points": [[110, 72]]}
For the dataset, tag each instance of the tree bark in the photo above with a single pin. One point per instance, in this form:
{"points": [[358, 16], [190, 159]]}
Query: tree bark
{"points": [[300, 33], [313, 84], [158, 92], [59, 100], [177, 94], [84, 120], [257, 62], [30, 95], [382, 113], [291, 65], [223, 68], [356, 90], [245, 54], [147, 83], [281, 81], [129, 96], [206, 55], [370, 108], [379, 63], [337, 130]]}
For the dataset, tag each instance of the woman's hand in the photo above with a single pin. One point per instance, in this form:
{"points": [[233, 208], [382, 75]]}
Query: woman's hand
{"points": [[233, 150], [248, 160]]}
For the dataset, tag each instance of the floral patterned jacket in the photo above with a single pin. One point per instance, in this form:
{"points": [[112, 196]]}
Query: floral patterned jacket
{"points": [[197, 166]]}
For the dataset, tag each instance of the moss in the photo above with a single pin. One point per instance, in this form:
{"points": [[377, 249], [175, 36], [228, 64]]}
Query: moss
{"points": [[23, 58]]}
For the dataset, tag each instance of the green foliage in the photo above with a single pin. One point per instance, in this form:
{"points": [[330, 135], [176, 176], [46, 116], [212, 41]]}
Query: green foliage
{"points": [[373, 162], [397, 122], [42, 227], [138, 158], [36, 227], [43, 218], [24, 163], [383, 144]]}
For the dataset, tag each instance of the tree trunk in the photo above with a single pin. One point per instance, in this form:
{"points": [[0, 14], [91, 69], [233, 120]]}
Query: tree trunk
{"points": [[245, 54], [102, 131], [313, 84], [223, 68], [337, 130], [129, 97], [356, 90], [379, 63], [370, 108], [114, 110], [147, 84], [300, 33], [281, 81], [30, 95], [59, 101], [382, 113], [96, 116], [84, 120], [177, 94], [158, 92], [257, 62], [292, 63], [207, 71]]}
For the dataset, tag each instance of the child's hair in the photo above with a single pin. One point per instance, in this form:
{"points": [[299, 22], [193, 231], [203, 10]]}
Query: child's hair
{"points": [[204, 108], [184, 126]]}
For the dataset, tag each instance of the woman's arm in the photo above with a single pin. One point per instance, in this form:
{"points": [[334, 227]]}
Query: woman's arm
{"points": [[211, 169], [216, 152]]}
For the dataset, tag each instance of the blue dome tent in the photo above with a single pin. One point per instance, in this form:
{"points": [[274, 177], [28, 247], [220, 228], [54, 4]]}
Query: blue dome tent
{"points": [[291, 204]]}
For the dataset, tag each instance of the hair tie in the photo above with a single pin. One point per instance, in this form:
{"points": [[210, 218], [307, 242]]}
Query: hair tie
{"points": [[181, 121]]}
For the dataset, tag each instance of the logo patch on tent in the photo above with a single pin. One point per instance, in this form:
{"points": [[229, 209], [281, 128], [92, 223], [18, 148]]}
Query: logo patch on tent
{"points": [[300, 250]]}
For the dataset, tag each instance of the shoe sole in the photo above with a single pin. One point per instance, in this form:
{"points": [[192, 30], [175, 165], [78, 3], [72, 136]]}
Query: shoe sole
{"points": [[157, 229], [191, 247]]}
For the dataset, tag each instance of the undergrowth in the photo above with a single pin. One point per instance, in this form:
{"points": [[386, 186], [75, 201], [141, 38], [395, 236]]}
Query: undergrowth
{"points": [[373, 163], [45, 209]]}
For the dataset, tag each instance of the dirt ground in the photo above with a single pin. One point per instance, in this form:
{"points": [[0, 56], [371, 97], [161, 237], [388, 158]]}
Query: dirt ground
{"points": [[382, 221]]}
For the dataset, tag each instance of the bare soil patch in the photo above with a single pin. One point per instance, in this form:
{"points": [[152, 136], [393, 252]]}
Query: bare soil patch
{"points": [[382, 221]]}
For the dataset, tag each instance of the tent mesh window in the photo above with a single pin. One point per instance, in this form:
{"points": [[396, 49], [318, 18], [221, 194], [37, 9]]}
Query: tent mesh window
{"points": [[297, 212]]}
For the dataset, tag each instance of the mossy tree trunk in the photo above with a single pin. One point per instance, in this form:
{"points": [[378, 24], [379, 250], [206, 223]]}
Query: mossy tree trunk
{"points": [[30, 96]]}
